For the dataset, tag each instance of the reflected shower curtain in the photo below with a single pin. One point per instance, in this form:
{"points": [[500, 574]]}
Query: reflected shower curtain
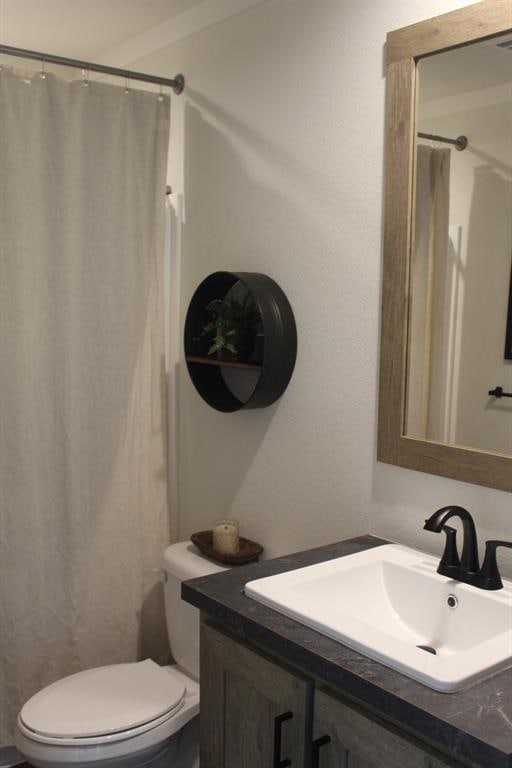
{"points": [[429, 312], [83, 496]]}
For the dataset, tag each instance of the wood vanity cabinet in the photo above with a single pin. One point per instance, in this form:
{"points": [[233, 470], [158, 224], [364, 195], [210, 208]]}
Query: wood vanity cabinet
{"points": [[254, 712], [258, 713]]}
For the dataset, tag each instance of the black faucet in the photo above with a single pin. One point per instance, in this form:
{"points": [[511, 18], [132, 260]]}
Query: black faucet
{"points": [[466, 568], [449, 565]]}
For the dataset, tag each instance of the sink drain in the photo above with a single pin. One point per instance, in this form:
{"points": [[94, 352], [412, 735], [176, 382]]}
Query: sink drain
{"points": [[427, 648]]}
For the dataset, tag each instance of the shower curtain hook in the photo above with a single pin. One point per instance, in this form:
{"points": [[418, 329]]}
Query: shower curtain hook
{"points": [[42, 73], [85, 77], [161, 95], [126, 86]]}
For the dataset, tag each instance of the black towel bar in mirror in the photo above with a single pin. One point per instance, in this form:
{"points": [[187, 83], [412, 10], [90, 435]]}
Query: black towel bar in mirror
{"points": [[498, 392]]}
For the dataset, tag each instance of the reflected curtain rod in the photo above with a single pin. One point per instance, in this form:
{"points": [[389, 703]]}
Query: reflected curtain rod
{"points": [[177, 83], [459, 143]]}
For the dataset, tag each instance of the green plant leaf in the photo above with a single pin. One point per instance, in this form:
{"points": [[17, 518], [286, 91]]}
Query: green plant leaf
{"points": [[230, 317]]}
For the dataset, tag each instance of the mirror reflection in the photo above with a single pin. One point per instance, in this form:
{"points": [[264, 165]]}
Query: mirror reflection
{"points": [[459, 349]]}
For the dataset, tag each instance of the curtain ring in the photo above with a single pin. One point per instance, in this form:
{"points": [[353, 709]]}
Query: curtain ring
{"points": [[161, 95], [85, 77], [126, 86], [42, 73]]}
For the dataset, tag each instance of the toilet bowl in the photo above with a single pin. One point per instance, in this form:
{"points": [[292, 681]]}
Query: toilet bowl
{"points": [[123, 715], [127, 715]]}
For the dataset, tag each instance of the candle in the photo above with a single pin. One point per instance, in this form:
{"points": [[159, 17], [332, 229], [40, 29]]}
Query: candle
{"points": [[226, 538]]}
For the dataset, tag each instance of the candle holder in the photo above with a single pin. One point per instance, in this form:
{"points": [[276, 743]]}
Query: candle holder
{"points": [[248, 552]]}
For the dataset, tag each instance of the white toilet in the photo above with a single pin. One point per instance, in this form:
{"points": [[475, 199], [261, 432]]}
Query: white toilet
{"points": [[127, 715]]}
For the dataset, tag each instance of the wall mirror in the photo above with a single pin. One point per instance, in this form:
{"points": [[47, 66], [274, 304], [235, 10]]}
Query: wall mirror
{"points": [[446, 336]]}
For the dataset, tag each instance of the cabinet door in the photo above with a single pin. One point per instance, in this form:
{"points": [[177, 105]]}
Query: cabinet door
{"points": [[346, 737], [254, 712]]}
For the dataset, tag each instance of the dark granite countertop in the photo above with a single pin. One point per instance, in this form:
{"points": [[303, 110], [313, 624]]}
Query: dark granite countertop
{"points": [[473, 725]]}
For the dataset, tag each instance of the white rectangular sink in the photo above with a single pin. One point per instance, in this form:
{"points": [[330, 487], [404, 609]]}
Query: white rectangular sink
{"points": [[389, 603]]}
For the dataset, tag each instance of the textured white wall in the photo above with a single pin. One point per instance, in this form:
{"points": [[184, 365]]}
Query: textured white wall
{"points": [[282, 129]]}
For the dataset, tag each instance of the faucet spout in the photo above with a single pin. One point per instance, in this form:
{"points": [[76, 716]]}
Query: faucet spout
{"points": [[469, 560]]}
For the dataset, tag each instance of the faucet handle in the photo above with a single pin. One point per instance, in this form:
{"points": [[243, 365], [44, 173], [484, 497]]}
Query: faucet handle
{"points": [[450, 558], [490, 574]]}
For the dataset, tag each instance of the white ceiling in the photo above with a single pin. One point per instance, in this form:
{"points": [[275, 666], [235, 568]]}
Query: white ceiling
{"points": [[82, 29]]}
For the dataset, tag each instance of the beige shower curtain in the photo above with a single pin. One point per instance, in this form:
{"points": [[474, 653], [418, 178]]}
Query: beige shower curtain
{"points": [[429, 308], [83, 496]]}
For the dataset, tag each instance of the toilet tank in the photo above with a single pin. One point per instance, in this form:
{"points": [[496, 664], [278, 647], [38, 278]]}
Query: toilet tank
{"points": [[183, 561]]}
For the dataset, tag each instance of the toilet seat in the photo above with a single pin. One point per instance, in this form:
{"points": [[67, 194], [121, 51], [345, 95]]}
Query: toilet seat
{"points": [[118, 749], [103, 705], [109, 738]]}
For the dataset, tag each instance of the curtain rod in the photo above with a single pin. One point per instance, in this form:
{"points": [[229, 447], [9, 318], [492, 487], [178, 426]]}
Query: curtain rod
{"points": [[459, 143], [177, 83]]}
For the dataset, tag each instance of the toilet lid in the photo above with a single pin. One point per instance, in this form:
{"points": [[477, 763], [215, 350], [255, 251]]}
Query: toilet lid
{"points": [[103, 700]]}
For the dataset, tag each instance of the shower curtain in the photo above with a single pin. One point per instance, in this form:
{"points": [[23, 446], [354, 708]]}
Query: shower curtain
{"points": [[83, 492], [430, 311]]}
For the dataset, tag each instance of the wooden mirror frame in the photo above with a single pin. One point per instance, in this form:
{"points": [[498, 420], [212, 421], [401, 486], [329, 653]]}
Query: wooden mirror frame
{"points": [[403, 50]]}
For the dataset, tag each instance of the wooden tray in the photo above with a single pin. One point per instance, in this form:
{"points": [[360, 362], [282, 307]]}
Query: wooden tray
{"points": [[249, 550]]}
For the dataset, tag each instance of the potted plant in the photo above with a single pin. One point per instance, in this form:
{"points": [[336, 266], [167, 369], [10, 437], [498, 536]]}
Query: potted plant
{"points": [[232, 326]]}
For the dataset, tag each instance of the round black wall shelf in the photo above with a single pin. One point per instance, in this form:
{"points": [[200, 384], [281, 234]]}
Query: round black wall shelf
{"points": [[274, 347]]}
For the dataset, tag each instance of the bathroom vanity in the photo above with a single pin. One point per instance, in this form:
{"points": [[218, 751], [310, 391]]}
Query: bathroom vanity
{"points": [[277, 693]]}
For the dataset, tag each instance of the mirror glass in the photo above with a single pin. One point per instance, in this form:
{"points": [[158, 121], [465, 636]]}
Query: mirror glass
{"points": [[460, 310]]}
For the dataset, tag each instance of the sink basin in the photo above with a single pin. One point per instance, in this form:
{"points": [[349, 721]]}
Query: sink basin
{"points": [[389, 603]]}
